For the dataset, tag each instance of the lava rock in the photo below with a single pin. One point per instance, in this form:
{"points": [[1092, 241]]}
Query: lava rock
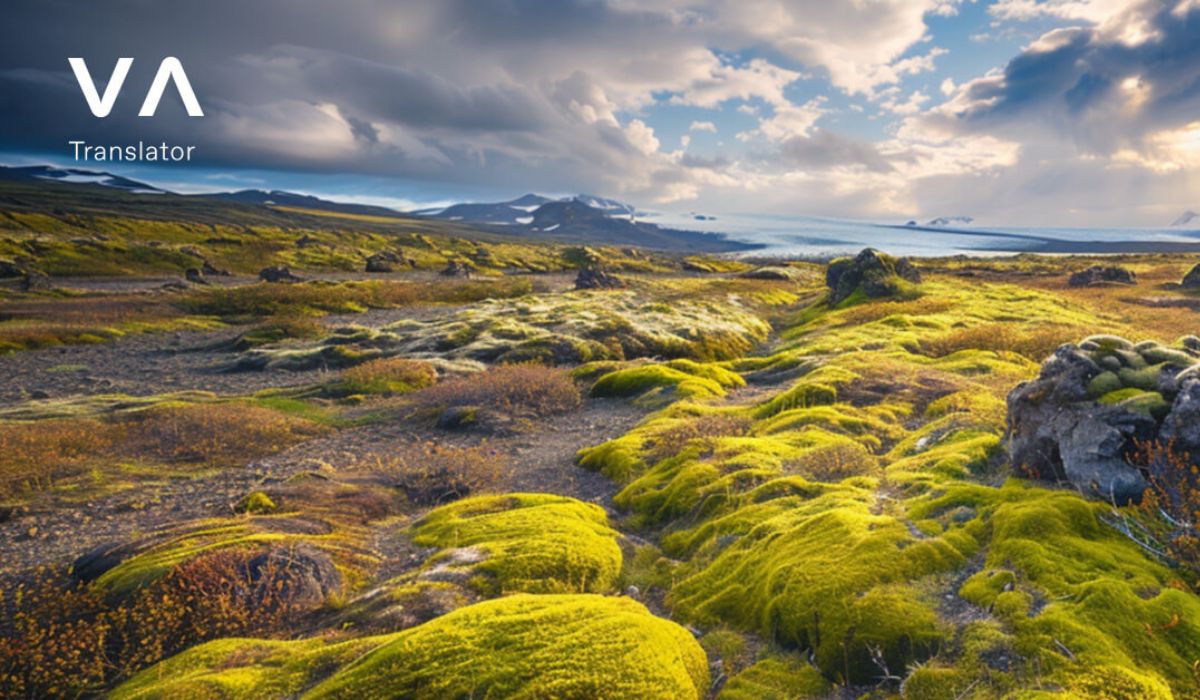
{"points": [[1192, 279], [458, 269], [98, 560], [8, 268], [1101, 275], [279, 273], [597, 278], [875, 274], [306, 575], [1081, 420], [458, 417], [383, 261], [209, 270], [195, 276], [34, 281]]}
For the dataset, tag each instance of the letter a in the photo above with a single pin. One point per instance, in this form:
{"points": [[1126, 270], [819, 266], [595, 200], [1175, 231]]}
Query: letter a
{"points": [[171, 69], [102, 106]]}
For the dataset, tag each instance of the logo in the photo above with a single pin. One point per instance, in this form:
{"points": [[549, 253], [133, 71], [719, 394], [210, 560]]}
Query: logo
{"points": [[169, 70]]}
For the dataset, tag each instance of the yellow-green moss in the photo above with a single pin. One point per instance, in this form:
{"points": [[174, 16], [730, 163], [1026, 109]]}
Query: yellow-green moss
{"points": [[537, 543], [776, 678], [532, 646]]}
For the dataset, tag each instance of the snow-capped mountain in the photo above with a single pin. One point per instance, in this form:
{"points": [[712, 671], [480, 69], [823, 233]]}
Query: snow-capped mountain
{"points": [[76, 176], [1188, 219]]}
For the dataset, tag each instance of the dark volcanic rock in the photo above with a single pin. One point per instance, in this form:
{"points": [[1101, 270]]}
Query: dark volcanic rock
{"points": [[1081, 419], [305, 575], [597, 278], [35, 281], [875, 274], [1192, 279], [194, 276], [8, 268], [279, 273], [98, 560], [1100, 275], [384, 261], [458, 269], [210, 270]]}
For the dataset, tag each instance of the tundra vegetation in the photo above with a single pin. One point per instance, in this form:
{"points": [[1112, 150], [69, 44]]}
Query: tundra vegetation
{"points": [[719, 480]]}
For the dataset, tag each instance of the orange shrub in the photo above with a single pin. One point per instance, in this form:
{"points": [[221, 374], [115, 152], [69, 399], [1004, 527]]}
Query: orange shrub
{"points": [[1037, 343], [430, 474], [524, 389], [673, 439]]}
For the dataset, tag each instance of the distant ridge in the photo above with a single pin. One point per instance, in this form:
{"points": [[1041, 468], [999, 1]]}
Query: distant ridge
{"points": [[1187, 218]]}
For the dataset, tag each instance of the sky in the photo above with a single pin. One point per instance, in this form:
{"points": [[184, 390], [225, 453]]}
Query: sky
{"points": [[1015, 112]]}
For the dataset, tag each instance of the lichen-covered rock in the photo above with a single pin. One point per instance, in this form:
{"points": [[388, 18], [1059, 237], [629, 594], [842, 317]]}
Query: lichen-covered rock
{"points": [[382, 262], [1081, 419], [278, 273], [1101, 275], [194, 275], [455, 268], [772, 272], [597, 278], [307, 575], [871, 273]]}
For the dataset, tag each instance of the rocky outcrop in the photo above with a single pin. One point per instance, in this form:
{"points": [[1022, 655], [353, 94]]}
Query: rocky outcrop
{"points": [[1192, 279], [597, 278], [195, 276], [772, 272], [278, 273], [458, 269], [383, 261], [8, 268], [304, 576], [873, 273], [1081, 420], [1101, 276]]}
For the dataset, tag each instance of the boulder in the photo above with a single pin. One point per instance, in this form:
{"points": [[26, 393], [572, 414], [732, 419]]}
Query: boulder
{"points": [[382, 262], [1100, 276], [195, 276], [873, 273], [458, 269], [35, 281], [8, 268], [98, 560], [597, 278], [305, 576], [1080, 421], [1192, 279], [278, 273], [211, 271]]}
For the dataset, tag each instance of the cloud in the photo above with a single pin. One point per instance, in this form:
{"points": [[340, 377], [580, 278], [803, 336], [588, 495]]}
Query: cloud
{"points": [[703, 126]]}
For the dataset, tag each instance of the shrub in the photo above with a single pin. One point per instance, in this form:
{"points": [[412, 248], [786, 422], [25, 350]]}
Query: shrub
{"points": [[63, 640], [706, 427], [219, 434], [392, 375], [33, 456], [837, 461], [1036, 343], [524, 389], [1171, 504], [430, 474]]}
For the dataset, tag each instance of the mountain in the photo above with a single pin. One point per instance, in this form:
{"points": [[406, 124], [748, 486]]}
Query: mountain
{"points": [[281, 198], [580, 219], [75, 176], [949, 221], [513, 212], [1188, 218]]}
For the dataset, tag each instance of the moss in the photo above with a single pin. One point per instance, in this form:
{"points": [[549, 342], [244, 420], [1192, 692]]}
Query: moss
{"points": [[533, 646], [1144, 378], [935, 683], [538, 543], [1104, 383], [683, 377], [255, 502], [776, 678]]}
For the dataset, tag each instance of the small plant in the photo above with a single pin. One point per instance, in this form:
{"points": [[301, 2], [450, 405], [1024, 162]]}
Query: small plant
{"points": [[707, 427], [430, 474], [837, 461], [1036, 343], [524, 389], [255, 502], [1171, 505], [391, 375]]}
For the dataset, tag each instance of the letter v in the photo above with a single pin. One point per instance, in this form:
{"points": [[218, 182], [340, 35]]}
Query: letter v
{"points": [[100, 107], [171, 69]]}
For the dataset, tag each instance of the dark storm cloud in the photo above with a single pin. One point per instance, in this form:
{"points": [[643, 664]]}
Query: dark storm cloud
{"points": [[1104, 86]]}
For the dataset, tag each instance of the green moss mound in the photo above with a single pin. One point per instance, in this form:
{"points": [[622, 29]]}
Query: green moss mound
{"points": [[536, 543], [677, 379], [776, 678]]}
